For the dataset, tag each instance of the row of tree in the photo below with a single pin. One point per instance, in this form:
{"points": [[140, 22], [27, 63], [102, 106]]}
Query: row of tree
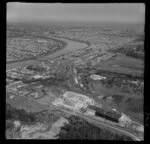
{"points": [[79, 129]]}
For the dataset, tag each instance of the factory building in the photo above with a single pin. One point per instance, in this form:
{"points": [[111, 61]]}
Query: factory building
{"points": [[97, 77], [78, 97], [37, 76], [74, 101]]}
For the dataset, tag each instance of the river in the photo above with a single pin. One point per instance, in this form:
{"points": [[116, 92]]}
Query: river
{"points": [[71, 46]]}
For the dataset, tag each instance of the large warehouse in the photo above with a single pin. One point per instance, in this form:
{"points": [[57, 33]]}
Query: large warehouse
{"points": [[77, 97], [78, 100], [74, 101]]}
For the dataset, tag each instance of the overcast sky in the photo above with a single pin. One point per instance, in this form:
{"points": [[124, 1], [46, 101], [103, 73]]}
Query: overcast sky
{"points": [[130, 13]]}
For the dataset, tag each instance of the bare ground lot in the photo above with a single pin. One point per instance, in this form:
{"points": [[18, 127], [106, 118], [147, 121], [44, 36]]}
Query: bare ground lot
{"points": [[25, 103], [44, 132]]}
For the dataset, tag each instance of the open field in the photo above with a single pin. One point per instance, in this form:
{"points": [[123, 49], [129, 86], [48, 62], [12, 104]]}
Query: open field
{"points": [[25, 103], [124, 65], [44, 131], [16, 101], [33, 106], [129, 62]]}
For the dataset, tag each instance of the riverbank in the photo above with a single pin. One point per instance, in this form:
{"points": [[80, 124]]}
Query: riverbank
{"points": [[50, 50], [70, 46]]}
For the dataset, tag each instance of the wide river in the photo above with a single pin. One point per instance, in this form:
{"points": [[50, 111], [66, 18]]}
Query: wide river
{"points": [[71, 46]]}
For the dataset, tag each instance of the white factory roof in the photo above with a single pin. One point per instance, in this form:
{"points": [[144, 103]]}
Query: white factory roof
{"points": [[97, 77], [69, 94], [37, 76]]}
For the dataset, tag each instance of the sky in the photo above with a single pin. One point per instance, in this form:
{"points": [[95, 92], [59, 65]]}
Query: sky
{"points": [[121, 12]]}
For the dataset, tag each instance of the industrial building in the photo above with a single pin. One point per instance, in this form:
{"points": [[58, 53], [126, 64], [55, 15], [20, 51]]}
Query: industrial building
{"points": [[97, 77], [79, 98], [74, 101]]}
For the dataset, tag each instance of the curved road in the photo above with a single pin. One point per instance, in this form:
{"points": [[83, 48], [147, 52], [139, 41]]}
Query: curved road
{"points": [[87, 118], [101, 123]]}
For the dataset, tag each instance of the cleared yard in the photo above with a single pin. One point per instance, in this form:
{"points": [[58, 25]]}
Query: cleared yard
{"points": [[42, 131]]}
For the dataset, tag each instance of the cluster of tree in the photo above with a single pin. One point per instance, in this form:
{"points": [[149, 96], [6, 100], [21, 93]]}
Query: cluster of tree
{"points": [[124, 87], [14, 79], [36, 68], [14, 33], [111, 74], [25, 117], [108, 117], [85, 82], [135, 105], [63, 71], [128, 50], [9, 124], [140, 48], [135, 54], [117, 98], [82, 130], [140, 38], [30, 80], [19, 114]]}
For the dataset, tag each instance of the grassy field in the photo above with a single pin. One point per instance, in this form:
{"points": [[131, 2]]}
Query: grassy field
{"points": [[99, 89], [122, 64], [128, 103], [16, 101], [129, 62], [31, 105], [25, 103]]}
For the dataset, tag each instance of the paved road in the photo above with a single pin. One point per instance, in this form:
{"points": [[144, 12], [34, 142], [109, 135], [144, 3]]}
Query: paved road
{"points": [[101, 123]]}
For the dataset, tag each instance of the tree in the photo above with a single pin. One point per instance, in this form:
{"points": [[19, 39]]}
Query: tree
{"points": [[82, 129]]}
